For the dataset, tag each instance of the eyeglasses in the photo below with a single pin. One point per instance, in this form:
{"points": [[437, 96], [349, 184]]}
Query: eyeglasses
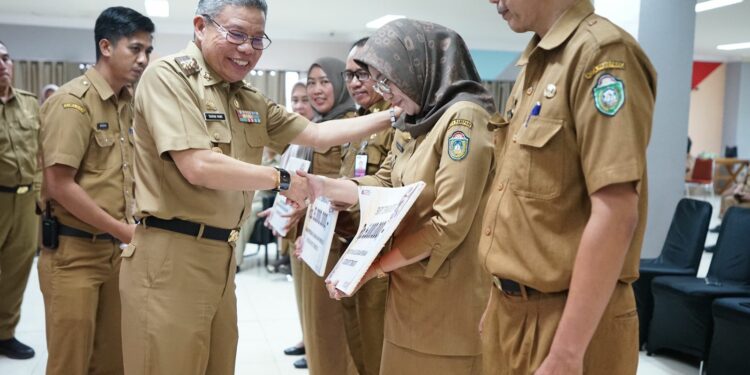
{"points": [[362, 75], [237, 37], [382, 87]]}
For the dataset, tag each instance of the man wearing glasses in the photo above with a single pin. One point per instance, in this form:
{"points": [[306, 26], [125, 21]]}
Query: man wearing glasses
{"points": [[200, 132]]}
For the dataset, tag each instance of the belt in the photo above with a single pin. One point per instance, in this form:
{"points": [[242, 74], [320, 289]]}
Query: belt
{"points": [[65, 230], [192, 229], [512, 288], [20, 189]]}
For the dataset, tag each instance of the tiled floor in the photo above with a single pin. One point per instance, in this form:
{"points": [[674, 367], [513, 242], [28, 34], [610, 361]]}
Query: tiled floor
{"points": [[267, 319]]}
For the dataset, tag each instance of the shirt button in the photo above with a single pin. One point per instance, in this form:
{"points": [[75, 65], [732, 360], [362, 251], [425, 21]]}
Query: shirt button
{"points": [[487, 231], [217, 149], [500, 187], [122, 139], [216, 136], [530, 90]]}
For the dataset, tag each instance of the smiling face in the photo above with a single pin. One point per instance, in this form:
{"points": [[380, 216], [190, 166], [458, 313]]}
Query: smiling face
{"points": [[230, 61], [301, 102], [361, 91], [396, 96], [526, 15], [320, 90]]}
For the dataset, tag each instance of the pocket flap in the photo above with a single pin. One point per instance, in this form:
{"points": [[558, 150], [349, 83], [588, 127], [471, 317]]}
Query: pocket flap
{"points": [[128, 251], [219, 132], [539, 131]]}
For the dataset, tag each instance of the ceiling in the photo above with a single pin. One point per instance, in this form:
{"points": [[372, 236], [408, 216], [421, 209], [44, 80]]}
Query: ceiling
{"points": [[339, 20]]}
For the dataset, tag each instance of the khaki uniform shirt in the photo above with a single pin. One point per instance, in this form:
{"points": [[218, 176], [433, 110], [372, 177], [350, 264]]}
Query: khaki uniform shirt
{"points": [[455, 161], [182, 104], [85, 125], [376, 147], [596, 89], [19, 139]]}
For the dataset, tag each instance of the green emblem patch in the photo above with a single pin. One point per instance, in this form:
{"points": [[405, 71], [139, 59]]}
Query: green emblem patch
{"points": [[458, 145], [609, 94]]}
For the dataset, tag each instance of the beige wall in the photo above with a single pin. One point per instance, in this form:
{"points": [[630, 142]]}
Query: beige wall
{"points": [[707, 113]]}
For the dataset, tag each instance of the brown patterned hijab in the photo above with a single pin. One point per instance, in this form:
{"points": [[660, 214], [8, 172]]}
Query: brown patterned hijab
{"points": [[430, 64], [342, 102]]}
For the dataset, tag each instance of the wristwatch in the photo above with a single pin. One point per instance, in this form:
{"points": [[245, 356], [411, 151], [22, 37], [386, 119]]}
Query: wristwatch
{"points": [[284, 180]]}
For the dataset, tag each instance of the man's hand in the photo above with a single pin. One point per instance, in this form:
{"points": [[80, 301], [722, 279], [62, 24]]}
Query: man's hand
{"points": [[298, 190], [125, 232], [294, 217]]}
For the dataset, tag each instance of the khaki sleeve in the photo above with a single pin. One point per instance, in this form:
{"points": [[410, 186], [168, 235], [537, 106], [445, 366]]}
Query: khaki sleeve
{"points": [[459, 182], [65, 130], [171, 110], [283, 126], [613, 111]]}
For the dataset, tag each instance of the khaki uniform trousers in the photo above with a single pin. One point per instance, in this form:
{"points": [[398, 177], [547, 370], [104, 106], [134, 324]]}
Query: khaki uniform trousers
{"points": [[179, 307], [323, 324], [403, 361], [518, 333], [364, 320], [79, 283], [18, 242]]}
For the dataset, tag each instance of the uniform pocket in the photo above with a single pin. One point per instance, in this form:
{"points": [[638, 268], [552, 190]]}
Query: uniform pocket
{"points": [[539, 169], [101, 153]]}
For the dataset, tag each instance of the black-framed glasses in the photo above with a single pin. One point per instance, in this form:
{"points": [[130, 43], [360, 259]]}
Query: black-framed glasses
{"points": [[361, 74], [382, 87], [238, 37]]}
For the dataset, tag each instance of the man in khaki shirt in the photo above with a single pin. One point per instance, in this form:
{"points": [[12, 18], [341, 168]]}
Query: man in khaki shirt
{"points": [[199, 133], [87, 142], [19, 188], [564, 224]]}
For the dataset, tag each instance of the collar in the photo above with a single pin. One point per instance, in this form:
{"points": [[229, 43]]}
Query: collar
{"points": [[11, 96], [560, 31], [382, 105], [99, 83], [208, 76]]}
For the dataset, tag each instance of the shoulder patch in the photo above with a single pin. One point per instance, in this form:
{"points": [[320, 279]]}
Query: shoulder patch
{"points": [[75, 106], [458, 145], [460, 122], [609, 94], [187, 64], [607, 65]]}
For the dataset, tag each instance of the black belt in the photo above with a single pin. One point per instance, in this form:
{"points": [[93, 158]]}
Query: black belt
{"points": [[513, 288], [20, 189], [65, 230], [192, 229]]}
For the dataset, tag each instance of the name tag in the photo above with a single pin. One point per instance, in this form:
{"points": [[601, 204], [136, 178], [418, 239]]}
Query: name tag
{"points": [[102, 126], [360, 165], [214, 116]]}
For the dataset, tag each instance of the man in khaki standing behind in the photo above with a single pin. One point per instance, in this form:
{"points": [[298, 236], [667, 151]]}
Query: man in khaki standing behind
{"points": [[564, 223], [87, 142], [19, 188]]}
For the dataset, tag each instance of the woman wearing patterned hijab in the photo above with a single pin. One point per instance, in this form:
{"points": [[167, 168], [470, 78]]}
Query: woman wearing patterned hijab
{"points": [[437, 288]]}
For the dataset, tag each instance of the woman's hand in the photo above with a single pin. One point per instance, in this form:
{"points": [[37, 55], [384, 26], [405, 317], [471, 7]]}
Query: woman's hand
{"points": [[298, 248]]}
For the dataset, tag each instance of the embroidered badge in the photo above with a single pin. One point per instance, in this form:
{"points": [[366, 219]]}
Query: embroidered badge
{"points": [[460, 122], [187, 64], [458, 145], [214, 116], [604, 66], [74, 106], [609, 94], [210, 106], [102, 126], [250, 117]]}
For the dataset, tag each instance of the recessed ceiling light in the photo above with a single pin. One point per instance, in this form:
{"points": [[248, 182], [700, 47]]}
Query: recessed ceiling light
{"points": [[713, 4], [157, 8], [377, 23], [733, 46]]}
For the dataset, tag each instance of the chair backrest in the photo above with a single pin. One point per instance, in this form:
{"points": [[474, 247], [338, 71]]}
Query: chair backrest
{"points": [[686, 237], [730, 151], [731, 260], [703, 170]]}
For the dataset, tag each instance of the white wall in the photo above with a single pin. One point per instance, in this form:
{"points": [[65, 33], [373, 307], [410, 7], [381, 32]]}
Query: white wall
{"points": [[77, 45], [707, 113]]}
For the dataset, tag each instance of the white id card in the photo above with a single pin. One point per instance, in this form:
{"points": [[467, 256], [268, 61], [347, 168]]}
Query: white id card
{"points": [[360, 165]]}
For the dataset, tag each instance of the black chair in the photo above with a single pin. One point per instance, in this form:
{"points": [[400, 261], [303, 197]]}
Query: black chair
{"points": [[680, 255], [261, 235], [682, 319], [730, 151], [729, 354]]}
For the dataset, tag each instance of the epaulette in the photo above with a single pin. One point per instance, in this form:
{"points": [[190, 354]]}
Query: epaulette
{"points": [[79, 87], [603, 31], [188, 65], [24, 92], [247, 86]]}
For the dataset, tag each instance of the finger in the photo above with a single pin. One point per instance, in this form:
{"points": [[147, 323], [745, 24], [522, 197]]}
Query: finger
{"points": [[301, 173]]}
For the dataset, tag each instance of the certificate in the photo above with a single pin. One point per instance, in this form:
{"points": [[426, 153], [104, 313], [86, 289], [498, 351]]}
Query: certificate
{"points": [[280, 205], [317, 234]]}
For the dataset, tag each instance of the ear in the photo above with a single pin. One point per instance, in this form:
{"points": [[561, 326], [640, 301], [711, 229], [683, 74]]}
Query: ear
{"points": [[105, 47], [199, 28]]}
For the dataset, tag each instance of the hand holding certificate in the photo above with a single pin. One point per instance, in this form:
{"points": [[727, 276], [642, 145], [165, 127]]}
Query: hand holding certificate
{"points": [[282, 209], [317, 235]]}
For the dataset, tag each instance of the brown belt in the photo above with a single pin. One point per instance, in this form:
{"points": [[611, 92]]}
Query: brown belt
{"points": [[512, 288]]}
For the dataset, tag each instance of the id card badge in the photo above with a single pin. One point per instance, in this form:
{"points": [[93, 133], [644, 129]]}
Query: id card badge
{"points": [[360, 165]]}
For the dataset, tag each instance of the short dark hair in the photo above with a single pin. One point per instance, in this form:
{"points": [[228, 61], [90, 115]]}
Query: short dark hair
{"points": [[360, 43], [117, 22]]}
